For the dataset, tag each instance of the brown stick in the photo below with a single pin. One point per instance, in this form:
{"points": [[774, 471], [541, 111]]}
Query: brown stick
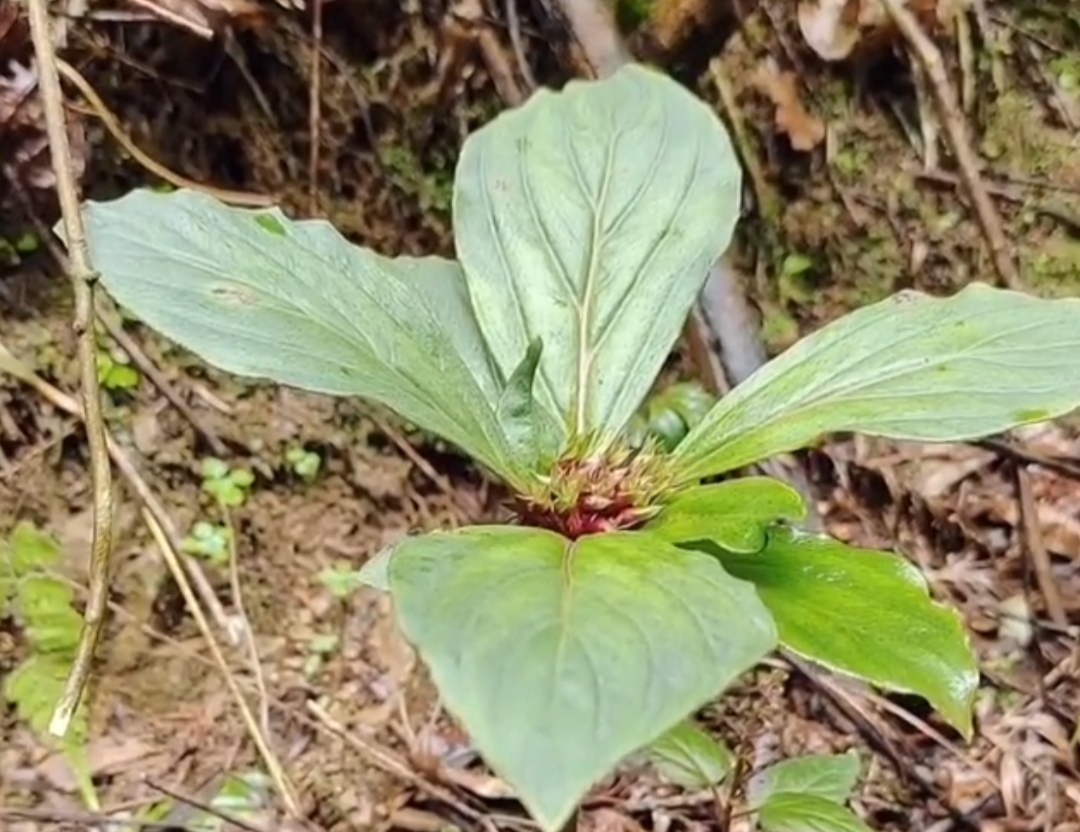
{"points": [[929, 58], [83, 279], [1036, 548]]}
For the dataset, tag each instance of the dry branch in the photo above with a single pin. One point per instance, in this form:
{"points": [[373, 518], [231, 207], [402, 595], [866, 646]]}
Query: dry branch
{"points": [[83, 280]]}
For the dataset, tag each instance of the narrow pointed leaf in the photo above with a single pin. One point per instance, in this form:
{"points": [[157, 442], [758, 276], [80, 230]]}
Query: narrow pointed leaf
{"points": [[864, 613], [259, 295], [735, 514], [829, 776], [531, 432], [791, 812], [910, 367], [688, 757], [561, 658], [589, 218]]}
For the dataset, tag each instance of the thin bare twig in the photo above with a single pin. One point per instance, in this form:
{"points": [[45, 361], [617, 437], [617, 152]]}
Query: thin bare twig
{"points": [[248, 634], [1036, 548], [149, 369], [61, 400], [83, 280], [112, 124], [206, 808], [513, 24], [389, 762], [956, 129], [270, 760], [314, 107], [84, 820]]}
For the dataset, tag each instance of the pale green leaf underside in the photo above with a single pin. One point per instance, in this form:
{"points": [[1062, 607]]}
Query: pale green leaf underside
{"points": [[589, 218], [259, 295], [735, 514], [561, 658], [910, 367], [690, 758], [829, 776], [865, 613], [791, 812]]}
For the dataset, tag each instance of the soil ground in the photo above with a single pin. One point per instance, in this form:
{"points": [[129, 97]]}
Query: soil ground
{"points": [[848, 222]]}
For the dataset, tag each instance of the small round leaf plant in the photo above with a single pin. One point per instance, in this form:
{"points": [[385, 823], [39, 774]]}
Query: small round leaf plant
{"points": [[625, 593]]}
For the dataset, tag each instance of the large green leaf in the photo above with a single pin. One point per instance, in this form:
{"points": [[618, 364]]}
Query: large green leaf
{"points": [[865, 613], [259, 295], [910, 367], [793, 812], [562, 657], [735, 514], [589, 218], [830, 776]]}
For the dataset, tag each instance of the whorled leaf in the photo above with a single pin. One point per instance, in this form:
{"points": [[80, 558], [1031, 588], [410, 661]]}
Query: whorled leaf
{"points": [[589, 218], [864, 613], [259, 295], [563, 657], [829, 776], [793, 812], [690, 758], [909, 367], [735, 514]]}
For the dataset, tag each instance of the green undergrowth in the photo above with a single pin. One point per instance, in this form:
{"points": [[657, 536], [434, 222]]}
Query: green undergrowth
{"points": [[42, 605]]}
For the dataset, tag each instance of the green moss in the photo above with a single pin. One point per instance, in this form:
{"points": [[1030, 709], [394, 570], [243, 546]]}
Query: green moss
{"points": [[631, 14], [1052, 266]]}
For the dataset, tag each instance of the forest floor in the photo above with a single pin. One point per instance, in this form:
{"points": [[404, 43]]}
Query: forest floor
{"points": [[855, 215]]}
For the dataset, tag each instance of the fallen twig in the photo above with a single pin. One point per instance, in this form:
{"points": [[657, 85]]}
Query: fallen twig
{"points": [[112, 124], [64, 402], [314, 106], [929, 58], [1036, 549], [206, 808], [389, 762], [270, 760], [83, 281], [513, 24]]}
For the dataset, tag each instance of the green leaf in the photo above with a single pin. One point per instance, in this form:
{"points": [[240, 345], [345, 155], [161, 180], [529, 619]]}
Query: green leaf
{"points": [[259, 295], [340, 581], [562, 657], [791, 812], [671, 414], [375, 572], [865, 613], [735, 514], [829, 776], [31, 548], [690, 758], [910, 367], [531, 432], [589, 218]]}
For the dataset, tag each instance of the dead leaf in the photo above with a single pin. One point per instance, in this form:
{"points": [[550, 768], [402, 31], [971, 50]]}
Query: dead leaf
{"points": [[830, 27], [25, 163], [803, 129], [841, 29]]}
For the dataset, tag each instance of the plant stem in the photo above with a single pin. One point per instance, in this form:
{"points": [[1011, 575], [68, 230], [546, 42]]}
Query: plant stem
{"points": [[83, 279]]}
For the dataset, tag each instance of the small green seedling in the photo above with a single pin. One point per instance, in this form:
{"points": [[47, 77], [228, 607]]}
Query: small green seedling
{"points": [[114, 374], [228, 486], [210, 541], [43, 606], [629, 587], [305, 464], [341, 581], [801, 794]]}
